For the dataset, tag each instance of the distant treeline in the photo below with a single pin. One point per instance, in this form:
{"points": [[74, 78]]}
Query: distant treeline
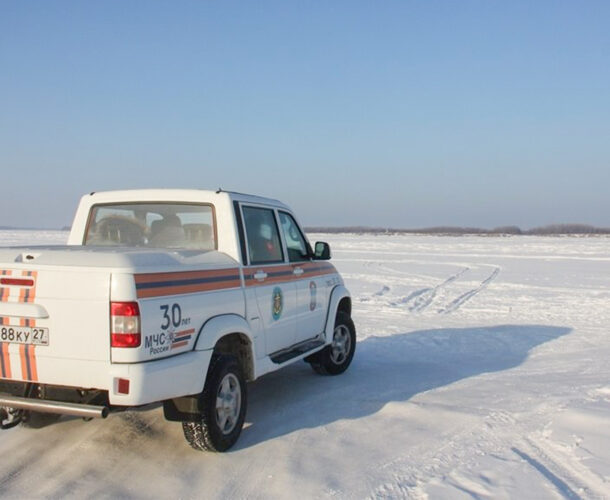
{"points": [[553, 229], [13, 228]]}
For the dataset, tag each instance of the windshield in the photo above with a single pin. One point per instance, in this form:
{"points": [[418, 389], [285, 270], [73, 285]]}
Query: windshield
{"points": [[156, 225]]}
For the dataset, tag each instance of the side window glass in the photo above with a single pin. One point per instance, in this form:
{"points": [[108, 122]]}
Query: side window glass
{"points": [[263, 237], [295, 243]]}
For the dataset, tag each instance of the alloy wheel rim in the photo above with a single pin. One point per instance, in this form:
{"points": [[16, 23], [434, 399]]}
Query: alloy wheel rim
{"points": [[228, 403], [342, 343]]}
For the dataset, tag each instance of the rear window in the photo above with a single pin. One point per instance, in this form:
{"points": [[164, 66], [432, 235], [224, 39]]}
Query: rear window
{"points": [[155, 225]]}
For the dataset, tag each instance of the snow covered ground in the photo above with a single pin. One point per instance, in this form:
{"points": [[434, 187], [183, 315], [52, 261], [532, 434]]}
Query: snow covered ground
{"points": [[482, 371]]}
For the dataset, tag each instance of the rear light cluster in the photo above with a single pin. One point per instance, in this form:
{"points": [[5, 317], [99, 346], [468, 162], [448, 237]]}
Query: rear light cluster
{"points": [[125, 324]]}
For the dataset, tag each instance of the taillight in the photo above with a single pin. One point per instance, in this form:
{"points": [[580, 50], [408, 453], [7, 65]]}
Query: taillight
{"points": [[125, 324]]}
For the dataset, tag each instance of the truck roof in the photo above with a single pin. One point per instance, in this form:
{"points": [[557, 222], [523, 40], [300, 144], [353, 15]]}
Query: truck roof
{"points": [[202, 195]]}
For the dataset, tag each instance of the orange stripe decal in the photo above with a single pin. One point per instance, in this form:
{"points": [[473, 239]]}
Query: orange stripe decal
{"points": [[160, 284], [5, 361], [5, 291], [29, 368], [275, 274], [27, 287], [24, 365], [22, 290], [33, 365], [181, 275], [283, 273]]}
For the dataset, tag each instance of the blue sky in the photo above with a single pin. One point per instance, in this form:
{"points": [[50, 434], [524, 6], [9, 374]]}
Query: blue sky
{"points": [[393, 113]]}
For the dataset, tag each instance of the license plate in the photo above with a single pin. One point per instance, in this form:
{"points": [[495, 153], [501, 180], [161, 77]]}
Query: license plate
{"points": [[24, 335]]}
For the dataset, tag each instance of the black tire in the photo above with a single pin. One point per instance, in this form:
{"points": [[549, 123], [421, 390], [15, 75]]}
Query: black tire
{"points": [[10, 417], [217, 429], [335, 358]]}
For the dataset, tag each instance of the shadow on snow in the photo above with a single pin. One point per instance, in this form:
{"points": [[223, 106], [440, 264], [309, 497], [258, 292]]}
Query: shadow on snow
{"points": [[384, 369]]}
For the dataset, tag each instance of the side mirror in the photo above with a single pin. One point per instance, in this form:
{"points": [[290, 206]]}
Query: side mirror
{"points": [[322, 251]]}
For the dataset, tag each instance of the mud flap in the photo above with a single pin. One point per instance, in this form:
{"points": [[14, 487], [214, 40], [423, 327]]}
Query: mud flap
{"points": [[184, 409]]}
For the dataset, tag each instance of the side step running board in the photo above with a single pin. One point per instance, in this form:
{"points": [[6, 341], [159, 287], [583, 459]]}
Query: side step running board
{"points": [[46, 406], [296, 350]]}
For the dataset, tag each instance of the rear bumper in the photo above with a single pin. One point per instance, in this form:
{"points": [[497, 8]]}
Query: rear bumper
{"points": [[153, 381], [149, 382]]}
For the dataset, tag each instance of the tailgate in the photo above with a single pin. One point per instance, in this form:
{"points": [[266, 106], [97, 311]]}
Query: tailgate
{"points": [[54, 325]]}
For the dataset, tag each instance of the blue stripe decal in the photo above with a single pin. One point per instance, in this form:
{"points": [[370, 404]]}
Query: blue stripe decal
{"points": [[26, 297], [280, 273], [192, 281], [180, 339], [3, 371], [318, 268], [27, 362]]}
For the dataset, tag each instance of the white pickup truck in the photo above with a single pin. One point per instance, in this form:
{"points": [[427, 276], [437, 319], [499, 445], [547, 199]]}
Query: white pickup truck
{"points": [[173, 296]]}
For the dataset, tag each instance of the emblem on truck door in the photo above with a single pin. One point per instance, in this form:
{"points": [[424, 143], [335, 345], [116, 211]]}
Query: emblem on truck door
{"points": [[277, 303]]}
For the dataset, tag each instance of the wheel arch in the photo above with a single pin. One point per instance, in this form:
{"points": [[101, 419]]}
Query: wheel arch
{"points": [[238, 345], [340, 300], [229, 334]]}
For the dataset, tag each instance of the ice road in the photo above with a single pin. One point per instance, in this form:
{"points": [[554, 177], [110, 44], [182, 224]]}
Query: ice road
{"points": [[481, 371]]}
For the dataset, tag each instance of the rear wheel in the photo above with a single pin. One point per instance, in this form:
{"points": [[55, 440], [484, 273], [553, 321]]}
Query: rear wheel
{"points": [[222, 406], [336, 357], [10, 417]]}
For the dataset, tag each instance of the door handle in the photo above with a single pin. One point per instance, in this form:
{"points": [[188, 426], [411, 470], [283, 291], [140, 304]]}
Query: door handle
{"points": [[298, 271], [259, 275]]}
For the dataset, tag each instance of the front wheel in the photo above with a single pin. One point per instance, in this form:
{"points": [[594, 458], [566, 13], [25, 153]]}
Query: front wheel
{"points": [[222, 406], [335, 358]]}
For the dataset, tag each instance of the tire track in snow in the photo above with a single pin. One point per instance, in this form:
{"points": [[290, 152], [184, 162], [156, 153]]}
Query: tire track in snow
{"points": [[561, 468], [379, 293], [465, 297], [449, 459], [421, 299], [562, 486]]}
